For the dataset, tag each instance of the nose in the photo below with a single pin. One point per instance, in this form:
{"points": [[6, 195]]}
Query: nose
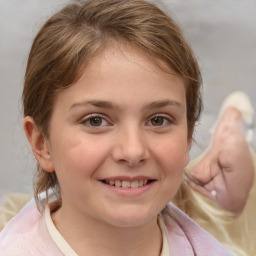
{"points": [[131, 147]]}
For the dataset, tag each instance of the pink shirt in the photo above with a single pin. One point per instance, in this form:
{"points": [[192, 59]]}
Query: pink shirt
{"points": [[27, 235]]}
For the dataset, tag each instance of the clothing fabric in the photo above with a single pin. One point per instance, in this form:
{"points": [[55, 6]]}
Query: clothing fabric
{"points": [[187, 238], [66, 249], [29, 233]]}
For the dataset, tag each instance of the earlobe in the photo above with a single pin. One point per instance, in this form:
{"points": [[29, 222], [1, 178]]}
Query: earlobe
{"points": [[39, 144]]}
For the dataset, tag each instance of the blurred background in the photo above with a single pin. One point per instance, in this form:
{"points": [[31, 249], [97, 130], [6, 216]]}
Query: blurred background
{"points": [[222, 33]]}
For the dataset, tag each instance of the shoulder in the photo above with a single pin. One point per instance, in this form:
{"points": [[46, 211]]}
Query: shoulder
{"points": [[200, 240], [27, 234], [15, 237]]}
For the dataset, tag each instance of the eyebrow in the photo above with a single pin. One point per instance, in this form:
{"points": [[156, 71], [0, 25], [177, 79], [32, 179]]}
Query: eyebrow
{"points": [[111, 105], [96, 103], [165, 103]]}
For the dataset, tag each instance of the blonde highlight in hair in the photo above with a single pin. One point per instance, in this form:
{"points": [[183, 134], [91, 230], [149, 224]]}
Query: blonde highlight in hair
{"points": [[82, 30]]}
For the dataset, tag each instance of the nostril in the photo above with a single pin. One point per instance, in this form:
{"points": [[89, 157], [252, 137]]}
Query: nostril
{"points": [[136, 163], [131, 163]]}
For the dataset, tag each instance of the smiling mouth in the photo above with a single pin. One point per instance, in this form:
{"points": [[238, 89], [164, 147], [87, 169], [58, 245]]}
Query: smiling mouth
{"points": [[127, 184]]}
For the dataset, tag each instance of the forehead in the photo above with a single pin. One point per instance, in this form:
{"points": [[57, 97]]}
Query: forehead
{"points": [[124, 53], [122, 71]]}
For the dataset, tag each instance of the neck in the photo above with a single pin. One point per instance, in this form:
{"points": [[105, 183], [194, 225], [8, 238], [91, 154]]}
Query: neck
{"points": [[89, 236]]}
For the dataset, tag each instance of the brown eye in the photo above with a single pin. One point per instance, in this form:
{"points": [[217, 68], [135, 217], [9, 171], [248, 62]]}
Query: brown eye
{"points": [[160, 120], [157, 121], [95, 121]]}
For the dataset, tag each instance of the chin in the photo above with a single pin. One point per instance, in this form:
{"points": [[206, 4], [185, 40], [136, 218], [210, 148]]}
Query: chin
{"points": [[131, 217]]}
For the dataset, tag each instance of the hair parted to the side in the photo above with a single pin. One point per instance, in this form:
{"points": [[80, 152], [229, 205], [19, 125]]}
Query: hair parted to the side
{"points": [[72, 37]]}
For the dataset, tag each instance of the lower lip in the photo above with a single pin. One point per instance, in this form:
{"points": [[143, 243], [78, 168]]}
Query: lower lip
{"points": [[129, 191]]}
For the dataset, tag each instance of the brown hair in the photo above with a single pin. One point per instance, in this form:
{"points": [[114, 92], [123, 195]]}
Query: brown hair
{"points": [[81, 31]]}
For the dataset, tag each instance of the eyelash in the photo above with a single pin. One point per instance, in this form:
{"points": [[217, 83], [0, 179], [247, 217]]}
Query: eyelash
{"points": [[166, 120], [90, 117]]}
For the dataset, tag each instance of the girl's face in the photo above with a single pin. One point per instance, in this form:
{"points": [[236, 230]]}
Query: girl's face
{"points": [[118, 139]]}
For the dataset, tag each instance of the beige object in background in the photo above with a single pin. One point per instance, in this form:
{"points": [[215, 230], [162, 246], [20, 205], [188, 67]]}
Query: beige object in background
{"points": [[13, 203], [237, 234]]}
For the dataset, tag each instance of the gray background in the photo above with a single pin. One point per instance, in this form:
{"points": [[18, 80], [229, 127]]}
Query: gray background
{"points": [[222, 33]]}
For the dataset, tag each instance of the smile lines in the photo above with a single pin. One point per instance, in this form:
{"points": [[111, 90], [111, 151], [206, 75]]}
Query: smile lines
{"points": [[127, 184]]}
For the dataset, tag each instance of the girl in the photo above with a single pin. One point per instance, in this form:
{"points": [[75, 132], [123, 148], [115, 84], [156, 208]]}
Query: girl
{"points": [[111, 97]]}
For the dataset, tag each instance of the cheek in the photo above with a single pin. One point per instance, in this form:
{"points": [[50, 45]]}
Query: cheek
{"points": [[173, 160], [170, 162], [78, 156], [172, 155]]}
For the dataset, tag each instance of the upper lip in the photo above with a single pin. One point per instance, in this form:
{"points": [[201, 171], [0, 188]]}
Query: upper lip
{"points": [[127, 178]]}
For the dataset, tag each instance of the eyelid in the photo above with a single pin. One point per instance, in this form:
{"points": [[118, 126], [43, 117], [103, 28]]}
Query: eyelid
{"points": [[167, 117], [89, 116]]}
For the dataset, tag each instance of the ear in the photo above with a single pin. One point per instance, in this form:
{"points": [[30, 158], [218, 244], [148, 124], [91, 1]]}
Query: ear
{"points": [[39, 144]]}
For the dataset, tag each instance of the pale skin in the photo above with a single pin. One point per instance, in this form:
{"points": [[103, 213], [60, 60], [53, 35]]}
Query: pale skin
{"points": [[226, 172], [124, 119]]}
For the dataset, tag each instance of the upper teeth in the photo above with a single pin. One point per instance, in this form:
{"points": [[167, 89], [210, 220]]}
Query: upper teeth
{"points": [[126, 183]]}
